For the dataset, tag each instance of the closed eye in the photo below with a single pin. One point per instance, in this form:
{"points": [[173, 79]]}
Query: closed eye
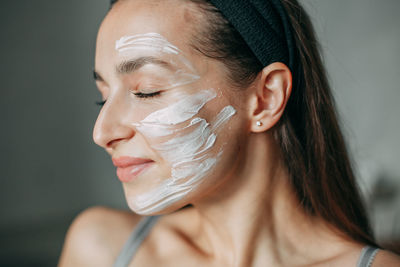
{"points": [[142, 95], [139, 95], [100, 103]]}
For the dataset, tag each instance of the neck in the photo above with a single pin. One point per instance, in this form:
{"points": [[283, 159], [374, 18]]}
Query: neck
{"points": [[266, 223]]}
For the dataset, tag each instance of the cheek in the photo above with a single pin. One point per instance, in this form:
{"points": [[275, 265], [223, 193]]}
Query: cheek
{"points": [[230, 144], [188, 142], [179, 134]]}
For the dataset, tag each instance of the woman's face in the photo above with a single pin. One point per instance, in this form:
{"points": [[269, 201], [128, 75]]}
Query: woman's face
{"points": [[170, 122]]}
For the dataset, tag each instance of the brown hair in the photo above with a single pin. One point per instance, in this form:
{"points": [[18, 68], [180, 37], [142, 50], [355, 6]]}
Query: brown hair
{"points": [[308, 133]]}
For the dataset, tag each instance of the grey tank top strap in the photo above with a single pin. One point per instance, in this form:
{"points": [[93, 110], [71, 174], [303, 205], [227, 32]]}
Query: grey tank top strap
{"points": [[143, 228], [135, 240], [367, 256]]}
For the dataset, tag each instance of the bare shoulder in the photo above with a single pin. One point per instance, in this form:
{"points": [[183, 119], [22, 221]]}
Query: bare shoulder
{"points": [[386, 258], [96, 236]]}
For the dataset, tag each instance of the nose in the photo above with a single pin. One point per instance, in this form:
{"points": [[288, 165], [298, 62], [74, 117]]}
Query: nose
{"points": [[111, 126]]}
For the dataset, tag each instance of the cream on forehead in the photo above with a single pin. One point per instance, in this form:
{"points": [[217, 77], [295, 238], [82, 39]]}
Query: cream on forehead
{"points": [[154, 43], [187, 148], [146, 41]]}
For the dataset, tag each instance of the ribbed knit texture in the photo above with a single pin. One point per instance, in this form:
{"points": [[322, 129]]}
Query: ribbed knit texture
{"points": [[264, 26]]}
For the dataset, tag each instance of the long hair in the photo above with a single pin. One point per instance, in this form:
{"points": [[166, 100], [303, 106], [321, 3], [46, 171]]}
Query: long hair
{"points": [[308, 133], [313, 144]]}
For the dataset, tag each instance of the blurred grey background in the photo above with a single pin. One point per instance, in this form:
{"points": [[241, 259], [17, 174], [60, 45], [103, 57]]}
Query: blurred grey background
{"points": [[51, 170]]}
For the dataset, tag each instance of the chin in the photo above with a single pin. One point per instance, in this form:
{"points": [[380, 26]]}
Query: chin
{"points": [[155, 210]]}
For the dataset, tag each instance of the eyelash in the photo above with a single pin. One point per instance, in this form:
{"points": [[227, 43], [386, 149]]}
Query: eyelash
{"points": [[100, 103], [139, 95]]}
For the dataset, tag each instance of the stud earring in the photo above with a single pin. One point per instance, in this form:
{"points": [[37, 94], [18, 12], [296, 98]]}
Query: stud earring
{"points": [[259, 123]]}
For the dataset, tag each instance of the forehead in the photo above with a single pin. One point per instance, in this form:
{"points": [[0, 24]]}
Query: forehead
{"points": [[172, 19]]}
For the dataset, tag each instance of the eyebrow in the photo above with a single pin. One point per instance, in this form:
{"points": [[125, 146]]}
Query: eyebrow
{"points": [[133, 65]]}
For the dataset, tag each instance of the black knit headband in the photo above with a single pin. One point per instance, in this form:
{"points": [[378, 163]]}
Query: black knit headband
{"points": [[265, 27]]}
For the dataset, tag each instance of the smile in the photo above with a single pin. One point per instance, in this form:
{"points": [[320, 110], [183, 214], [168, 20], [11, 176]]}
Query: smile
{"points": [[128, 168]]}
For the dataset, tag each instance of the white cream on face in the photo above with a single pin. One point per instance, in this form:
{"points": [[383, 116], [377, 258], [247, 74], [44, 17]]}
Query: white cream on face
{"points": [[154, 44], [146, 41], [185, 140], [187, 148]]}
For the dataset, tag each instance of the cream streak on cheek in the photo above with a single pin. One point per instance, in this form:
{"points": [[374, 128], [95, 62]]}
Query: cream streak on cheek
{"points": [[188, 149], [176, 132]]}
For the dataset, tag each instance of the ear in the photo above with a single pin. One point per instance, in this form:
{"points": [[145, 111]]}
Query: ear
{"points": [[270, 96]]}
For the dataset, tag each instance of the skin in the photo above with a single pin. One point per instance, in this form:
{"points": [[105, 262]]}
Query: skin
{"points": [[245, 213]]}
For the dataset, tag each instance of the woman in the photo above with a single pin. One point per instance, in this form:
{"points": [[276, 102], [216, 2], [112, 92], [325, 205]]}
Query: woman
{"points": [[218, 116]]}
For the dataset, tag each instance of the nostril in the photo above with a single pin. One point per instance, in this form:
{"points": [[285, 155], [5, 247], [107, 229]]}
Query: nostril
{"points": [[122, 134], [113, 143]]}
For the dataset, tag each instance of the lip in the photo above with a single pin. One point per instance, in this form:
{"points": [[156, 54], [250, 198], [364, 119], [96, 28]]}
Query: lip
{"points": [[128, 168]]}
